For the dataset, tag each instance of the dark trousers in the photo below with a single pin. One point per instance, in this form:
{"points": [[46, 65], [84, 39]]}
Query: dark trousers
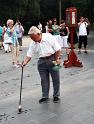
{"points": [[20, 41], [82, 40], [45, 70]]}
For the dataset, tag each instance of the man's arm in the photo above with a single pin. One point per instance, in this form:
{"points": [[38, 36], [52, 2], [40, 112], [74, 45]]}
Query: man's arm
{"points": [[58, 57], [26, 60], [79, 24]]}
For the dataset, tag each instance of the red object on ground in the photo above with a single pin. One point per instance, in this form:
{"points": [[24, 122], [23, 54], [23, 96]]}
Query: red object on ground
{"points": [[72, 58]]}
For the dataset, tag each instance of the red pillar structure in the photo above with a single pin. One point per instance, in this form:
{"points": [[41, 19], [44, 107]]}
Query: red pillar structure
{"points": [[71, 22]]}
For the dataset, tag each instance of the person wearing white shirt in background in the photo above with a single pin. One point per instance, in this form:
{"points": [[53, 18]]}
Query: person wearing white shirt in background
{"points": [[46, 27], [64, 31], [20, 31], [40, 26], [10, 37], [6, 46], [48, 51], [82, 34]]}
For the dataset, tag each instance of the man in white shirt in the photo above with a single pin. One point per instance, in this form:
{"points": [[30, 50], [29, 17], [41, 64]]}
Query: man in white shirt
{"points": [[48, 50], [82, 34]]}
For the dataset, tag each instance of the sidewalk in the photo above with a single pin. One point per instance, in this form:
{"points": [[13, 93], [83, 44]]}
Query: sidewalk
{"points": [[77, 88]]}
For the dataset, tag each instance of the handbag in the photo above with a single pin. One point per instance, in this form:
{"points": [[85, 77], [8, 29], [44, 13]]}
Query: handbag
{"points": [[7, 39]]}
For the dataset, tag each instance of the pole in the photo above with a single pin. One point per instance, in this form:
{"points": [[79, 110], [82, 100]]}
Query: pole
{"points": [[60, 8], [20, 108]]}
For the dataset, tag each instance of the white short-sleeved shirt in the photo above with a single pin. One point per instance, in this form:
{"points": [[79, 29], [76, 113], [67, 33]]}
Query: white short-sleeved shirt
{"points": [[82, 29], [46, 47], [19, 30]]}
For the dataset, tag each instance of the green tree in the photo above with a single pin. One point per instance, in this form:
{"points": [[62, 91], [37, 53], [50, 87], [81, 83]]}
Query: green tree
{"points": [[12, 9], [33, 10], [49, 9]]}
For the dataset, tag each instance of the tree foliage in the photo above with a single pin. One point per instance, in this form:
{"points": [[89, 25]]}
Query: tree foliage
{"points": [[32, 10], [12, 8]]}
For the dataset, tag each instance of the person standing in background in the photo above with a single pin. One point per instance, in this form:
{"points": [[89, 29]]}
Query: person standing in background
{"points": [[55, 29], [5, 45], [12, 41], [40, 26], [46, 27], [64, 36], [1, 33], [19, 31], [50, 27], [82, 25]]}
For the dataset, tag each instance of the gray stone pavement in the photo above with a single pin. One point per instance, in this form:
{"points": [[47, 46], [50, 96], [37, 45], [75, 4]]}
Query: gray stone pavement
{"points": [[77, 88]]}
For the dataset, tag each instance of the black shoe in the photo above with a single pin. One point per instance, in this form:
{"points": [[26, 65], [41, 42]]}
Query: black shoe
{"points": [[43, 100], [79, 52], [71, 48], [20, 49], [56, 99], [86, 52], [5, 51]]}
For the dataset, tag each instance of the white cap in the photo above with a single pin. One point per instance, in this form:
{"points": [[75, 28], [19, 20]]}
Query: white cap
{"points": [[9, 21], [34, 30]]}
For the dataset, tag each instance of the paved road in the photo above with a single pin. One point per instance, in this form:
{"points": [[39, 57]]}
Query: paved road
{"points": [[77, 89]]}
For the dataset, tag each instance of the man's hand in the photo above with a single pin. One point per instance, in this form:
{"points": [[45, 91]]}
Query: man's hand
{"points": [[57, 65], [57, 62], [24, 62]]}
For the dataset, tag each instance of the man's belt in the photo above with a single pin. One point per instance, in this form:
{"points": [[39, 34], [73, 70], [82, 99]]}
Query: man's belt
{"points": [[47, 57]]}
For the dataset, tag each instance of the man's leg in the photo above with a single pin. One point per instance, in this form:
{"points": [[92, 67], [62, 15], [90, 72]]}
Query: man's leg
{"points": [[56, 82], [20, 44], [55, 78], [45, 81]]}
